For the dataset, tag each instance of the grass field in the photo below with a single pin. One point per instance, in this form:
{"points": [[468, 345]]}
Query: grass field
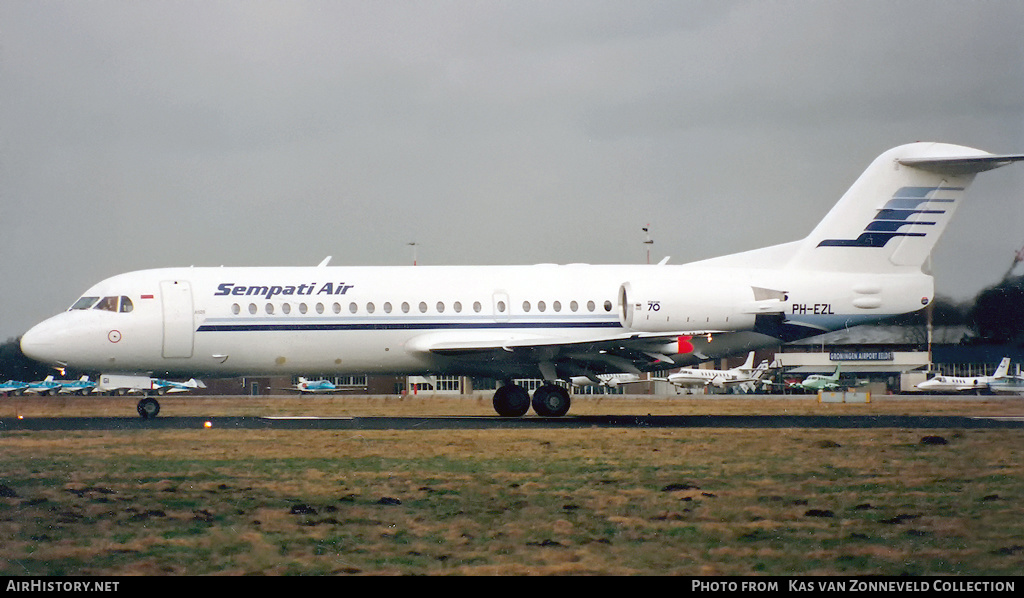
{"points": [[523, 502]]}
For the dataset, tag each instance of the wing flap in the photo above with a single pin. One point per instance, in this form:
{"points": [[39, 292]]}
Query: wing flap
{"points": [[461, 341]]}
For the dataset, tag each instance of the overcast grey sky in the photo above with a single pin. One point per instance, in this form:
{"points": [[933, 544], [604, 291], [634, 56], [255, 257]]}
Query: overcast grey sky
{"points": [[147, 134]]}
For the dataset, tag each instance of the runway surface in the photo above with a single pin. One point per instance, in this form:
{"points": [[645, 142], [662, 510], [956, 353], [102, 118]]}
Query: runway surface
{"points": [[494, 422]]}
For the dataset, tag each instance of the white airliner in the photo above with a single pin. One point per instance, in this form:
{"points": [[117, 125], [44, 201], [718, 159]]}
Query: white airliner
{"points": [[702, 378], [863, 262], [966, 383]]}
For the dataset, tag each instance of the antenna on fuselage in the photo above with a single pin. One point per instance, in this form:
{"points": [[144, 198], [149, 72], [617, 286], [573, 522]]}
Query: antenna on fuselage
{"points": [[648, 241]]}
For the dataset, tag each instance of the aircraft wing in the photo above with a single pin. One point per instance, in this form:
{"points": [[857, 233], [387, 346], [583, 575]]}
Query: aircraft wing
{"points": [[625, 353], [736, 381]]}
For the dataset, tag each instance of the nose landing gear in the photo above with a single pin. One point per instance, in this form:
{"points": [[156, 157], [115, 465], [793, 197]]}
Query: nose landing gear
{"points": [[148, 408]]}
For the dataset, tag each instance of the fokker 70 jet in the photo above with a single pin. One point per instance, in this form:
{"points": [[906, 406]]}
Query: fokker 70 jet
{"points": [[863, 262]]}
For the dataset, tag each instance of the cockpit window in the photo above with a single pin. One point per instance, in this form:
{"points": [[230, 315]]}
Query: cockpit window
{"points": [[107, 304], [122, 304], [85, 303]]}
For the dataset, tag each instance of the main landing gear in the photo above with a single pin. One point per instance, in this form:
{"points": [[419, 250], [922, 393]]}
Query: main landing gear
{"points": [[550, 400]]}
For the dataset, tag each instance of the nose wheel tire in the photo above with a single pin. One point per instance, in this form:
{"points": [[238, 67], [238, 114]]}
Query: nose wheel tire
{"points": [[148, 408]]}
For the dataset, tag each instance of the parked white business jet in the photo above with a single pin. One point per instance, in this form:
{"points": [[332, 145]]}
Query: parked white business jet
{"points": [[862, 263], [609, 380], [967, 383], [691, 378]]}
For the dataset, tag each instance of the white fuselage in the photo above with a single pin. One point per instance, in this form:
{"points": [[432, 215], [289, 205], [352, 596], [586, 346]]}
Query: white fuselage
{"points": [[696, 377], [441, 319], [954, 384]]}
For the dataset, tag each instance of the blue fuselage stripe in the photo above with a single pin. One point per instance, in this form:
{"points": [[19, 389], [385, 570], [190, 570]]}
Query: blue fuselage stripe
{"points": [[299, 326]]}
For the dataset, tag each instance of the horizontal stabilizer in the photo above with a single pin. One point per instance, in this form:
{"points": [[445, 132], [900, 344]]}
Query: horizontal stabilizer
{"points": [[954, 165]]}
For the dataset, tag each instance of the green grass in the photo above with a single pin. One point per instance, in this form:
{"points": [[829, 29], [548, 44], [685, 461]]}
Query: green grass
{"points": [[617, 501]]}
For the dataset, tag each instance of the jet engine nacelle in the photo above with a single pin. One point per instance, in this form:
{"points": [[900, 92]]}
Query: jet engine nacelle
{"points": [[670, 306]]}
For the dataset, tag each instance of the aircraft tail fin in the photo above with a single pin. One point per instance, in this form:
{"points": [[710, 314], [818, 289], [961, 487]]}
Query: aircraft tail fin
{"points": [[749, 363], [1003, 369], [891, 217]]}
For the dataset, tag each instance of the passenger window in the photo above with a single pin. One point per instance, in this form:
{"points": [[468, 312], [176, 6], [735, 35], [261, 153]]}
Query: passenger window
{"points": [[423, 307], [337, 308], [353, 308], [302, 308], [477, 307], [590, 306], [541, 306], [526, 306], [457, 306], [574, 306], [252, 308], [370, 307], [236, 309], [319, 308], [387, 307], [501, 307], [557, 306], [287, 308], [405, 307], [85, 303], [126, 305], [270, 308], [440, 307], [607, 305]]}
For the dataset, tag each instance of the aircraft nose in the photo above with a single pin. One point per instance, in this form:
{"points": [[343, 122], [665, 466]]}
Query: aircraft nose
{"points": [[40, 341]]}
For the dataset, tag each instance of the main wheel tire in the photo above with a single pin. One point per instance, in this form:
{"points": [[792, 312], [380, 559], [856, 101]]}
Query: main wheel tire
{"points": [[148, 408], [551, 401], [511, 400]]}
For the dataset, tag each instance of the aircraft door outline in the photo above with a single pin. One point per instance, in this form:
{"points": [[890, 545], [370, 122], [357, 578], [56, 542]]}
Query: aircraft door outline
{"points": [[178, 318]]}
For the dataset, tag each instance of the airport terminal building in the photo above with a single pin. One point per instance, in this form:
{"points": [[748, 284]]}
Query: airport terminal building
{"points": [[882, 359]]}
